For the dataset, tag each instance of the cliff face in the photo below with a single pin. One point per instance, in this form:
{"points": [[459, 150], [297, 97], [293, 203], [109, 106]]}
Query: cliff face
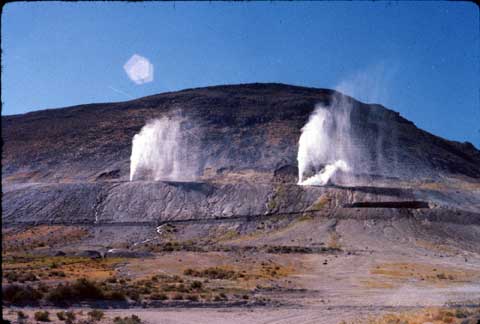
{"points": [[247, 131]]}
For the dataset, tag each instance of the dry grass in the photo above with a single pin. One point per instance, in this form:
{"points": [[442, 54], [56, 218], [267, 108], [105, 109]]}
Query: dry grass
{"points": [[249, 272], [434, 247], [41, 236], [429, 315], [428, 274], [376, 284], [72, 267]]}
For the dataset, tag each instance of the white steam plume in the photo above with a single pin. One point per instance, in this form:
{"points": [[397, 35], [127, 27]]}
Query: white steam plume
{"points": [[323, 176], [160, 152], [313, 143], [324, 143], [333, 139]]}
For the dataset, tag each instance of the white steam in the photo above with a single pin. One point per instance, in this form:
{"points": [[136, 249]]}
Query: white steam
{"points": [[160, 152], [323, 176], [344, 144], [324, 145]]}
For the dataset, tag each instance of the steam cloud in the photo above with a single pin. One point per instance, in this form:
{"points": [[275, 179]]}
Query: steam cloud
{"points": [[324, 143], [161, 152], [334, 138]]}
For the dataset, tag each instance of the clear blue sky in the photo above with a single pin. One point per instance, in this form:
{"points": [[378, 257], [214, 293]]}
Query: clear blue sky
{"points": [[418, 58]]}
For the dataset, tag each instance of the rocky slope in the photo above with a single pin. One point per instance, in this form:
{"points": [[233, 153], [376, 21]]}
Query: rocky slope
{"points": [[71, 165], [238, 129]]}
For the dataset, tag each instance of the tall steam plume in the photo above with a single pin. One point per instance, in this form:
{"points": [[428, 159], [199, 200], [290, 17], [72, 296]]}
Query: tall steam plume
{"points": [[160, 151], [324, 145]]}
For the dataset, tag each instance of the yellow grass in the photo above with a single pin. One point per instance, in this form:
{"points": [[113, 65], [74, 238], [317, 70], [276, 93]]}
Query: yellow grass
{"points": [[428, 315], [426, 273]]}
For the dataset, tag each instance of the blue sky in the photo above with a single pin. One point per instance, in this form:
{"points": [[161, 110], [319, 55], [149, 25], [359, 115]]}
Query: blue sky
{"points": [[418, 58]]}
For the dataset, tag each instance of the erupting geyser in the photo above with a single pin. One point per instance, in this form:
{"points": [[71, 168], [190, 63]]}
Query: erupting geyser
{"points": [[160, 152], [324, 144]]}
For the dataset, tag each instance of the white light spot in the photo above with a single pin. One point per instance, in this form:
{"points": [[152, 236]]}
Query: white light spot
{"points": [[139, 69]]}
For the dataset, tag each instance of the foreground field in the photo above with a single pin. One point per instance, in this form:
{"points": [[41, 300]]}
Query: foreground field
{"points": [[345, 274]]}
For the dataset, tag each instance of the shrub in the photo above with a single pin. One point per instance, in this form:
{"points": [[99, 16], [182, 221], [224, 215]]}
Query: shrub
{"points": [[441, 276], [461, 313], [189, 272], [28, 276], [11, 276], [134, 295], [192, 297], [85, 289], [61, 316], [61, 294], [21, 294], [82, 289], [116, 295], [134, 319], [70, 316], [196, 285], [182, 288], [42, 316], [212, 273], [96, 314], [21, 316], [57, 273]]}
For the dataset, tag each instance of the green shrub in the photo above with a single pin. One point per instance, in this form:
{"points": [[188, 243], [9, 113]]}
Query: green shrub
{"points": [[42, 316], [96, 314]]}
